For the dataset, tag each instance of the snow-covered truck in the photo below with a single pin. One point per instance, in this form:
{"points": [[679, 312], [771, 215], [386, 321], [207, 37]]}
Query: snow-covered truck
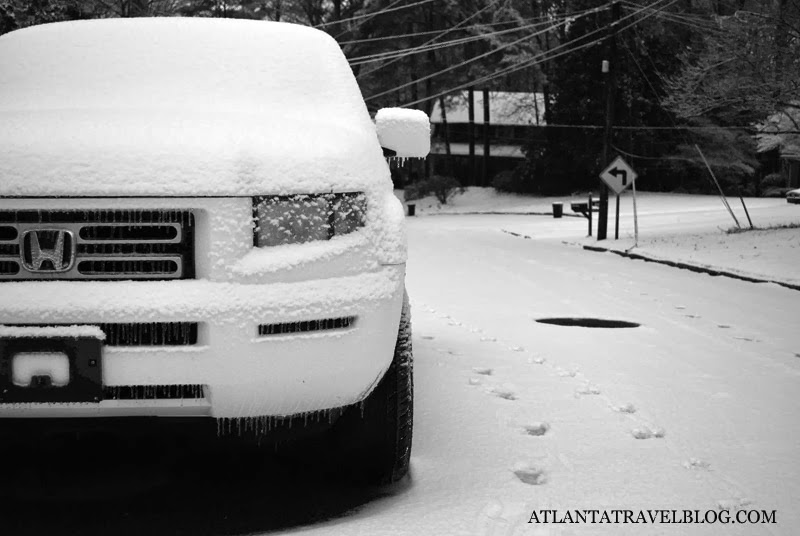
{"points": [[197, 221]]}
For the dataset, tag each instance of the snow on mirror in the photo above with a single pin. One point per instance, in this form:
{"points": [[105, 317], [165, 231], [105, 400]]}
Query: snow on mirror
{"points": [[404, 133]]}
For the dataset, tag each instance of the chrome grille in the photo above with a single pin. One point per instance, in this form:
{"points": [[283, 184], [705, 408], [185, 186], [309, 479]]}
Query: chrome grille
{"points": [[96, 244]]}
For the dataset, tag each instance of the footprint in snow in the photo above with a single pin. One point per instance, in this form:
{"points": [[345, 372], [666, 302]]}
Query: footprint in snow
{"points": [[647, 433], [723, 326], [454, 323], [541, 360], [748, 339], [474, 381], [516, 348], [505, 392], [484, 371], [428, 337], [536, 428], [567, 373], [530, 474], [692, 316], [681, 307], [488, 339], [696, 463], [626, 408], [587, 390], [733, 504]]}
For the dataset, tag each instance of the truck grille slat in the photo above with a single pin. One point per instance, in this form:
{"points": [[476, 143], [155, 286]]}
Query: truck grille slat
{"points": [[96, 244], [154, 392], [141, 333], [306, 326]]}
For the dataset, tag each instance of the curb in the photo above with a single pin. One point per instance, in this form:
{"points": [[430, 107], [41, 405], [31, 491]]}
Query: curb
{"points": [[686, 266], [498, 213]]}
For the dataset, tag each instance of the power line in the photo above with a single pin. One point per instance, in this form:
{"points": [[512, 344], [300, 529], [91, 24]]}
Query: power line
{"points": [[535, 60], [394, 55], [524, 21], [381, 12], [367, 19], [508, 70], [694, 22], [465, 62], [487, 6], [658, 158]]}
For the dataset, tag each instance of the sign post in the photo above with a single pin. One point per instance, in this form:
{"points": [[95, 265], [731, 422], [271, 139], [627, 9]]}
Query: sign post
{"points": [[635, 218], [619, 176]]}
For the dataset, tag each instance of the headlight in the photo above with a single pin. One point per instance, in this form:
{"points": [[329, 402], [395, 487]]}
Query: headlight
{"points": [[294, 219]]}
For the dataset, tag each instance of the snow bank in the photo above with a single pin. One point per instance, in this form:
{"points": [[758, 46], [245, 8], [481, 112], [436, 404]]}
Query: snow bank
{"points": [[407, 132], [179, 106]]}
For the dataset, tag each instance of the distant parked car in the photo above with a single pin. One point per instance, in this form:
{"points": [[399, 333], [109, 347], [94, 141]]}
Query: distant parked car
{"points": [[197, 222], [793, 196]]}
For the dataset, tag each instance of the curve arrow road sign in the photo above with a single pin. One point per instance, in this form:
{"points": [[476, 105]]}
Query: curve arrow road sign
{"points": [[618, 175]]}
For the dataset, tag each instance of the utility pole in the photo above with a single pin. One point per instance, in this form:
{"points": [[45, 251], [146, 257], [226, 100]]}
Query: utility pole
{"points": [[609, 69], [485, 138], [472, 166]]}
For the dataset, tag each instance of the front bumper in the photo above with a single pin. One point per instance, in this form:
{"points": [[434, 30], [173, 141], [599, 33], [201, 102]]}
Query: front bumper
{"points": [[244, 375]]}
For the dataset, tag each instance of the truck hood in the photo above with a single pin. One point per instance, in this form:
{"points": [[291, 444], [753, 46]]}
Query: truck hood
{"points": [[132, 153]]}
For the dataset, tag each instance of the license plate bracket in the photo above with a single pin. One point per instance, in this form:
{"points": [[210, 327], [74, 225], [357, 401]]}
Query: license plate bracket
{"points": [[85, 370]]}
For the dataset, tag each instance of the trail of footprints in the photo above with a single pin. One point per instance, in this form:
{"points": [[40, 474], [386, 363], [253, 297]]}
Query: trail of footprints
{"points": [[719, 325], [529, 474], [535, 475]]}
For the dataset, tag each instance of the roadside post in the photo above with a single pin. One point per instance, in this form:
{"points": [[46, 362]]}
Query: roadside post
{"points": [[590, 213], [635, 216], [619, 176]]}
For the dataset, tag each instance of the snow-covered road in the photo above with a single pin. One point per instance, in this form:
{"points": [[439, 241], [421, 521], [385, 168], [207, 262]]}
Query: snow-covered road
{"points": [[714, 366], [696, 409]]}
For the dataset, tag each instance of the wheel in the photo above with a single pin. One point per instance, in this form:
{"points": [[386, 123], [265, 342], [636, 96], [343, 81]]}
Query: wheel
{"points": [[374, 437]]}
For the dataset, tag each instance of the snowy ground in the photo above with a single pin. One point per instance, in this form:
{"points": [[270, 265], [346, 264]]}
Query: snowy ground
{"points": [[514, 416], [692, 229], [694, 409]]}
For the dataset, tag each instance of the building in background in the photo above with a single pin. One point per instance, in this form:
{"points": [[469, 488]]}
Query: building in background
{"points": [[513, 116]]}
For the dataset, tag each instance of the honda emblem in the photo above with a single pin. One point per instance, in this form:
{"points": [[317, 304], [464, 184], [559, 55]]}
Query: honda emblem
{"points": [[47, 250]]}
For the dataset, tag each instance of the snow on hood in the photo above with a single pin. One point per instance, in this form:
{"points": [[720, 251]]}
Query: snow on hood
{"points": [[179, 106]]}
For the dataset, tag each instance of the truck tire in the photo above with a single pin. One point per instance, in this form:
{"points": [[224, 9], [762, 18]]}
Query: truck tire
{"points": [[374, 437]]}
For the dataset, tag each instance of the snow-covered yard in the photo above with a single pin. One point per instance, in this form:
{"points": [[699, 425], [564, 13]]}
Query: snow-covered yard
{"points": [[692, 229]]}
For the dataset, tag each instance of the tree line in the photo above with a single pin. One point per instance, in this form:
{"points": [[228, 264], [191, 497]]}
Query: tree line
{"points": [[719, 75]]}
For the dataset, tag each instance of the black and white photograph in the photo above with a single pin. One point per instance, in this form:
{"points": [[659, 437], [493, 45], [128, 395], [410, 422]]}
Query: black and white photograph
{"points": [[399, 267]]}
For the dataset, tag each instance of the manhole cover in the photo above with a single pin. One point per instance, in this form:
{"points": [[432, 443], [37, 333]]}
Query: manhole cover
{"points": [[588, 322]]}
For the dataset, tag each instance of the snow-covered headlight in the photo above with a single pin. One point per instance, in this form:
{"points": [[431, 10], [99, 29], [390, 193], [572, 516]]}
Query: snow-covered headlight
{"points": [[295, 219]]}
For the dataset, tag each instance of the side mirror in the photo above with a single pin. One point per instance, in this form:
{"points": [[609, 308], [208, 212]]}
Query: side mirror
{"points": [[403, 133]]}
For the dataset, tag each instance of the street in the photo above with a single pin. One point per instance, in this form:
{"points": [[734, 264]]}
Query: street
{"points": [[694, 409]]}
